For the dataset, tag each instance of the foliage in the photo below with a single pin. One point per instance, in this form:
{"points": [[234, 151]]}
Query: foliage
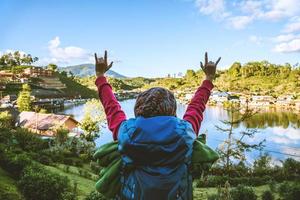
{"points": [[17, 58], [14, 163], [94, 195], [261, 165], [8, 187], [267, 195], [6, 120], [262, 78], [61, 135], [24, 99], [234, 147], [74, 89], [93, 116], [29, 141], [52, 67], [223, 193], [243, 193], [38, 183], [289, 191]]}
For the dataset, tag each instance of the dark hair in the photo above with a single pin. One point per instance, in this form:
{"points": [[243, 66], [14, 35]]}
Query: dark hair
{"points": [[156, 101]]}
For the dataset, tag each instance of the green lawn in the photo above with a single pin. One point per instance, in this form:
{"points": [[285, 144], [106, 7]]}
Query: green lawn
{"points": [[84, 185], [202, 193], [8, 187], [9, 191]]}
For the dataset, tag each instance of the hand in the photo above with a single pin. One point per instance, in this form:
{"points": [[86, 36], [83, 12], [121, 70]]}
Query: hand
{"points": [[101, 65], [209, 68]]}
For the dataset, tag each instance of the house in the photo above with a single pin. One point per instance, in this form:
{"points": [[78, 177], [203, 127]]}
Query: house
{"points": [[285, 100], [6, 76], [47, 124], [219, 97], [38, 71], [244, 100], [9, 98], [258, 100], [297, 105]]}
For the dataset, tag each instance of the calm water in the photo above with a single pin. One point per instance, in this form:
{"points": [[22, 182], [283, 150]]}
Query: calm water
{"points": [[281, 129]]}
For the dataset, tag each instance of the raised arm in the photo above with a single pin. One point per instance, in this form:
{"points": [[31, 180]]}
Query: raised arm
{"points": [[114, 114], [195, 109]]}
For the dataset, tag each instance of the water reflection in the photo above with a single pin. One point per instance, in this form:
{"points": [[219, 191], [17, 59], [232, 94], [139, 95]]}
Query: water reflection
{"points": [[281, 129]]}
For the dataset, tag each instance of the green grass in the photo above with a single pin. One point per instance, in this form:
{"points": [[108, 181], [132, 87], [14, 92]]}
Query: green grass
{"points": [[8, 187], [84, 185], [203, 193]]}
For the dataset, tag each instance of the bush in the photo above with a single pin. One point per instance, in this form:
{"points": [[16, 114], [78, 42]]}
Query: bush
{"points": [[243, 193], [29, 141], [267, 195], [38, 183], [68, 161], [95, 167], [94, 195], [6, 120], [14, 164], [289, 191]]}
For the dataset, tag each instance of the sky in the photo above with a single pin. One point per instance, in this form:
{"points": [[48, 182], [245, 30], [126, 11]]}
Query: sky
{"points": [[152, 38]]}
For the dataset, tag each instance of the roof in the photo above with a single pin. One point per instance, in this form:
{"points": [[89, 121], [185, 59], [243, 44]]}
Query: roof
{"points": [[42, 121]]}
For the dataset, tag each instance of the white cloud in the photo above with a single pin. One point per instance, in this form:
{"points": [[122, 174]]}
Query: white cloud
{"points": [[285, 37], [286, 136], [256, 39], [293, 25], [292, 151], [216, 8], [288, 47], [241, 14], [65, 54], [240, 22], [282, 8]]}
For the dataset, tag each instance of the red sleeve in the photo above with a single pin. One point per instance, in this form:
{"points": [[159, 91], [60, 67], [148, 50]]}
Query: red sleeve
{"points": [[195, 109], [114, 114]]}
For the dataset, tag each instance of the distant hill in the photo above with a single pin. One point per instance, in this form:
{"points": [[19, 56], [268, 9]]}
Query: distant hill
{"points": [[84, 70]]}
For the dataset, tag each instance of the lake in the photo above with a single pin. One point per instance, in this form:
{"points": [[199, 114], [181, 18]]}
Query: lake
{"points": [[280, 129]]}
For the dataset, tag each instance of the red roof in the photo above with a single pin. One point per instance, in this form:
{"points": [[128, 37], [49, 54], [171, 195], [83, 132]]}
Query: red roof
{"points": [[42, 121]]}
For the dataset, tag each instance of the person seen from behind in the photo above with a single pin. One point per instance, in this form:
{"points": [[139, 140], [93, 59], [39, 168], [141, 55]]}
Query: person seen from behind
{"points": [[156, 145]]}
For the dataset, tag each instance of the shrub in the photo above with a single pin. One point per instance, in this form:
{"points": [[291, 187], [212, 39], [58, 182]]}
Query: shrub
{"points": [[267, 195], [94, 195], [38, 183], [68, 161], [14, 164], [29, 141], [95, 167], [289, 191], [6, 120], [243, 193]]}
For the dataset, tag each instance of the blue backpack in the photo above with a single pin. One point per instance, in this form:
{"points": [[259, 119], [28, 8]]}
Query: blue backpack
{"points": [[156, 154]]}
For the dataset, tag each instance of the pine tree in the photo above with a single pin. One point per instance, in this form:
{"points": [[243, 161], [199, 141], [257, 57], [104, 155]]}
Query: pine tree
{"points": [[24, 100], [234, 146]]}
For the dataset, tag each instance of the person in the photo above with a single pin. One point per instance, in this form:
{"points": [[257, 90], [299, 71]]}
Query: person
{"points": [[155, 145]]}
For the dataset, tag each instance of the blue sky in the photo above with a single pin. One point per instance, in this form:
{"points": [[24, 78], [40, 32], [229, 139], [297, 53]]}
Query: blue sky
{"points": [[152, 37]]}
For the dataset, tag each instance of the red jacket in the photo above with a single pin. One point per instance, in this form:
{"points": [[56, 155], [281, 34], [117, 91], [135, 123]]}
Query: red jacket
{"points": [[115, 115]]}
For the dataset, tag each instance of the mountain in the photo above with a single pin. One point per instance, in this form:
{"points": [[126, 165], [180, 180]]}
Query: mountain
{"points": [[83, 70]]}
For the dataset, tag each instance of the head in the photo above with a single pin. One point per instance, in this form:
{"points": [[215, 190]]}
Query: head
{"points": [[156, 101]]}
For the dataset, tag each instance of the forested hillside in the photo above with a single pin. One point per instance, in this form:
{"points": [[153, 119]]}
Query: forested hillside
{"points": [[253, 77]]}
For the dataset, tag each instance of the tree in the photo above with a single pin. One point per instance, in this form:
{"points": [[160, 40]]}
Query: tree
{"points": [[6, 120], [234, 147], [190, 74], [235, 69], [52, 67], [93, 116], [24, 100], [61, 135], [16, 58]]}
